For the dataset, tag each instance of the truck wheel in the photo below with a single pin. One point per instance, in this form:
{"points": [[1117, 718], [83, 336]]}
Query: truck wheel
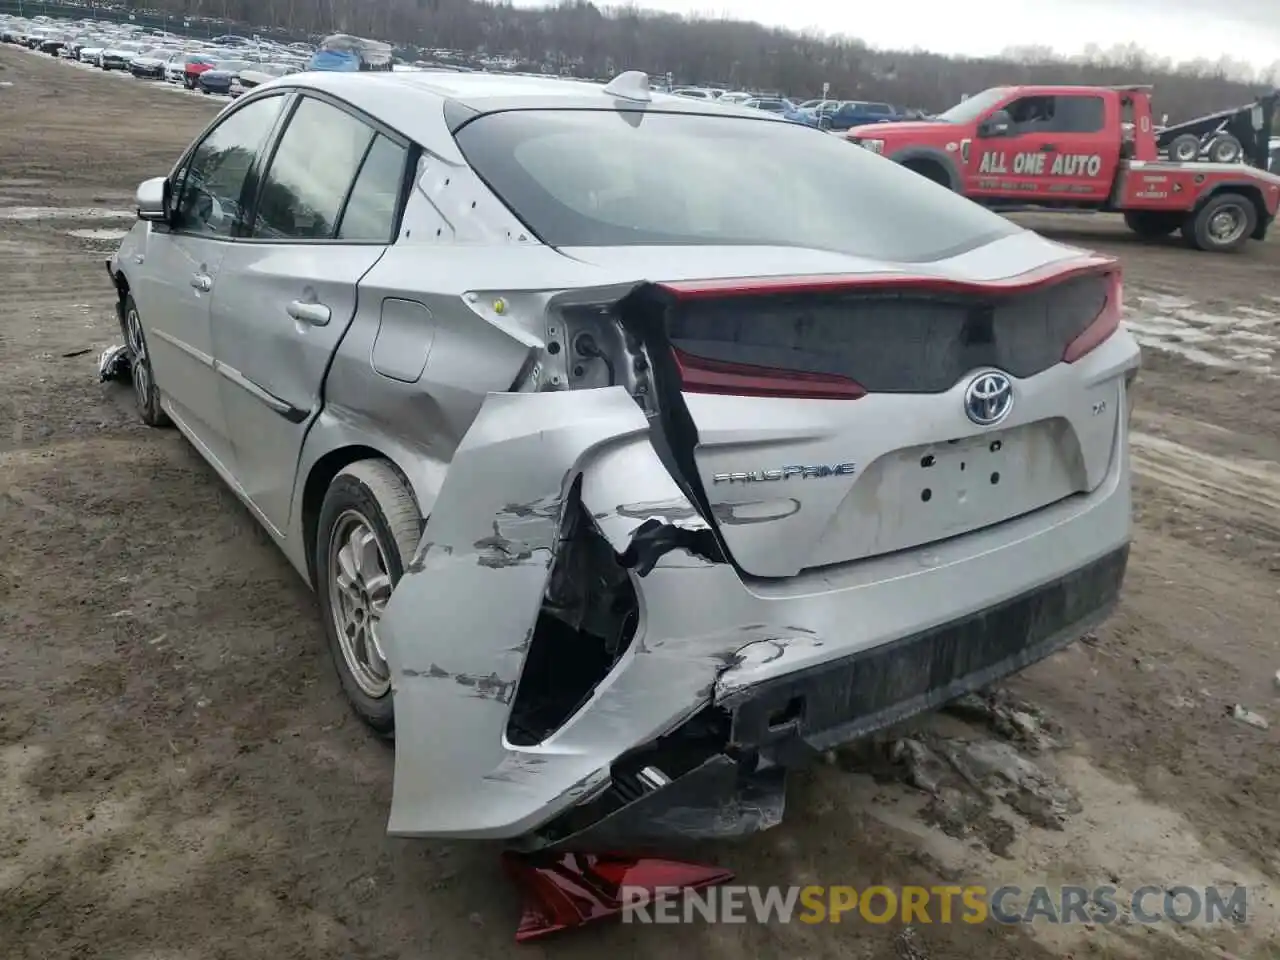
{"points": [[930, 170], [1224, 223], [1150, 224], [1185, 148], [1225, 149]]}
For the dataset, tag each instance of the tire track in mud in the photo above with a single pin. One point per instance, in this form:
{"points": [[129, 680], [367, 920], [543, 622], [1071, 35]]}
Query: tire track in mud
{"points": [[1241, 492]]}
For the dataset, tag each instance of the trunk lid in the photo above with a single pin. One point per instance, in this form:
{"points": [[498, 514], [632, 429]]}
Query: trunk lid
{"points": [[823, 419]]}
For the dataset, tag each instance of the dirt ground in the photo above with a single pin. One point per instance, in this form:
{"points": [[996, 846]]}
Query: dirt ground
{"points": [[180, 778]]}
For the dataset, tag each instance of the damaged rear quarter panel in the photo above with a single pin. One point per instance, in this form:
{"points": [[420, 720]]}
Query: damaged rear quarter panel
{"points": [[457, 628], [458, 624]]}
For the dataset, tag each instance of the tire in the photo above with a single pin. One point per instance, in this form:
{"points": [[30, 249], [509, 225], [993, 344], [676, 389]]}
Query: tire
{"points": [[369, 497], [931, 171], [1151, 224], [146, 395], [1225, 149], [1205, 229], [1184, 148]]}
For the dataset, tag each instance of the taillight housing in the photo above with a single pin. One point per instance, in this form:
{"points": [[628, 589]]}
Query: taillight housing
{"points": [[700, 375], [1104, 324]]}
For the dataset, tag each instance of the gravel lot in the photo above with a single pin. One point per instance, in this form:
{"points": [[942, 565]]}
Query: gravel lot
{"points": [[180, 778]]}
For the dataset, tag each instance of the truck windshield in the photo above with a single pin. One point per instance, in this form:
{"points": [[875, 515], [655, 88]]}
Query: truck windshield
{"points": [[967, 111], [585, 178]]}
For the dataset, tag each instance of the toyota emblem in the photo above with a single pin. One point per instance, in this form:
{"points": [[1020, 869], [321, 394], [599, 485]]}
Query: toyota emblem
{"points": [[988, 398]]}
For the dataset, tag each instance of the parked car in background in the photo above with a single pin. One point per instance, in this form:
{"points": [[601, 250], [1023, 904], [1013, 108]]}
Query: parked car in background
{"points": [[176, 67], [118, 56], [693, 93], [1273, 164], [260, 73], [151, 65], [52, 44], [194, 66], [857, 113], [779, 105], [222, 76], [91, 52]]}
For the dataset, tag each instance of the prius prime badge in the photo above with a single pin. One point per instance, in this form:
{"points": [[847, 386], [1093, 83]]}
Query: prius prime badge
{"points": [[988, 398]]}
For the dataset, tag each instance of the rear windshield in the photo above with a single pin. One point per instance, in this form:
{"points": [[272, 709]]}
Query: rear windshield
{"points": [[587, 178]]}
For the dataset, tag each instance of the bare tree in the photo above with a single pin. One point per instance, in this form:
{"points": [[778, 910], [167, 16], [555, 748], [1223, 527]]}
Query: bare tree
{"points": [[582, 38]]}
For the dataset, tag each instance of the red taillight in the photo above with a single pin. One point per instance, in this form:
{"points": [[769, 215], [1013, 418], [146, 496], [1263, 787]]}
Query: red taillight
{"points": [[1104, 324], [699, 375]]}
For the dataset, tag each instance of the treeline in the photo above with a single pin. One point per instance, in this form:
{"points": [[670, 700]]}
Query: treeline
{"points": [[578, 37]]}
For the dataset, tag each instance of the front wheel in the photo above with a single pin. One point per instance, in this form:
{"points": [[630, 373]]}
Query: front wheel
{"points": [[1224, 223], [368, 530], [146, 394]]}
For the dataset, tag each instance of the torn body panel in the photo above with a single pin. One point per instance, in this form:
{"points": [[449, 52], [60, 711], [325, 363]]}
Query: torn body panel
{"points": [[459, 626]]}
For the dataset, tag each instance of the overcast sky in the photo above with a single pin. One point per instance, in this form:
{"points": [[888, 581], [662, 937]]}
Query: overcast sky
{"points": [[1246, 30]]}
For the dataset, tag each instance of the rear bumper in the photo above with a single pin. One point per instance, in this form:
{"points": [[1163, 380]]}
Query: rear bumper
{"points": [[728, 680], [837, 702], [786, 722]]}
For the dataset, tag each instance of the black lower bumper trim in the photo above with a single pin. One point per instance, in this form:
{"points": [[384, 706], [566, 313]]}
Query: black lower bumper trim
{"points": [[736, 784], [850, 698]]}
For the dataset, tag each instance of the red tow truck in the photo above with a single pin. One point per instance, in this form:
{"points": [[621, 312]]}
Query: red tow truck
{"points": [[1097, 148]]}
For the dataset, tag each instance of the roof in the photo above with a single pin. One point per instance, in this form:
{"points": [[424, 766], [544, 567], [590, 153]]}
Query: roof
{"points": [[389, 95]]}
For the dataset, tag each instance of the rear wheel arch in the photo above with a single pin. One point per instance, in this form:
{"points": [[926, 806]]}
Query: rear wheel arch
{"points": [[1250, 190], [321, 475]]}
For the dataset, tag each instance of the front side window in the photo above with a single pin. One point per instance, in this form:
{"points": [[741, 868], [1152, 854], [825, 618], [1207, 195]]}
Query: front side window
{"points": [[610, 178], [311, 173], [1032, 114], [975, 107], [210, 193]]}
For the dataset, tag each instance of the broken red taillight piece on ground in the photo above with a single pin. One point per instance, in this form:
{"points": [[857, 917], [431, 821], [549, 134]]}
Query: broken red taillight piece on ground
{"points": [[566, 890]]}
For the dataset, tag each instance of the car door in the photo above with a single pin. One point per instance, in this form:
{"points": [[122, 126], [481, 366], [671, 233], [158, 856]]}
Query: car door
{"points": [[1012, 164], [325, 212], [1081, 148], [179, 268]]}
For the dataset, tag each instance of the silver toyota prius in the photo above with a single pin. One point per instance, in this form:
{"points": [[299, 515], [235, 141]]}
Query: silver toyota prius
{"points": [[637, 448]]}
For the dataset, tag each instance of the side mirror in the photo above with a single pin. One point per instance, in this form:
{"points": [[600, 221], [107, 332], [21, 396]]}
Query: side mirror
{"points": [[997, 125], [152, 200]]}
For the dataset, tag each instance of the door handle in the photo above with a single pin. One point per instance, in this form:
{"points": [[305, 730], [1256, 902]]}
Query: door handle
{"points": [[316, 314], [202, 282], [1046, 147]]}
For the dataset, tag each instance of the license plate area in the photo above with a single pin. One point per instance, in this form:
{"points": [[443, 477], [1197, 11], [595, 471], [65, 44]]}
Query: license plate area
{"points": [[933, 491]]}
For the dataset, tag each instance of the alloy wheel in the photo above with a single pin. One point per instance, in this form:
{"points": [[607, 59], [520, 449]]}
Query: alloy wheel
{"points": [[359, 588]]}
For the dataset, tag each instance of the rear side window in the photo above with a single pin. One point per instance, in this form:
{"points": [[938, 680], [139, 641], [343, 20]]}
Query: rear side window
{"points": [[311, 173], [611, 178], [1078, 115], [370, 215]]}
